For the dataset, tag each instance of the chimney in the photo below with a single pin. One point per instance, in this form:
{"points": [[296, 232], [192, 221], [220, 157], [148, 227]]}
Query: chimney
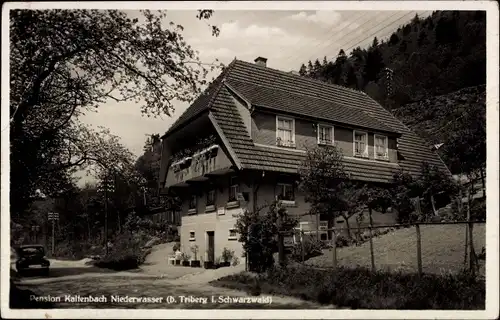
{"points": [[261, 61]]}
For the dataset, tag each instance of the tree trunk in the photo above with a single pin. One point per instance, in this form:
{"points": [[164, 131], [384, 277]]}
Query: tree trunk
{"points": [[317, 226], [346, 219], [119, 221], [433, 205], [483, 182], [88, 229], [371, 218]]}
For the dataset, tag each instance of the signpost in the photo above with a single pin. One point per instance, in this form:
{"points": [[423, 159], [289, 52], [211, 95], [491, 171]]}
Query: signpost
{"points": [[107, 187], [35, 230], [53, 216]]}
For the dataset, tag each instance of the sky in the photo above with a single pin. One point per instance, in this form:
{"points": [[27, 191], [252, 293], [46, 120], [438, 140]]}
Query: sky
{"points": [[286, 38]]}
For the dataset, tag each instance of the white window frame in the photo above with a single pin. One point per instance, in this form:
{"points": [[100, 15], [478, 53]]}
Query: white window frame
{"points": [[292, 142], [365, 153], [323, 225], [386, 146], [193, 237], [300, 229], [235, 237], [318, 129]]}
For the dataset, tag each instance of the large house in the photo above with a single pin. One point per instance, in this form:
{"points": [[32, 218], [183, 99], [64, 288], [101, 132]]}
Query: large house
{"points": [[239, 146]]}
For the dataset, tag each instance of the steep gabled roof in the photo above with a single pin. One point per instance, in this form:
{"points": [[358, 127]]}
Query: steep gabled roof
{"points": [[200, 104], [281, 91], [304, 105]]}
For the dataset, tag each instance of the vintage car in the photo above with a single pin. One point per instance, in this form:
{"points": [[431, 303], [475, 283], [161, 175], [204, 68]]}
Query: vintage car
{"points": [[32, 257]]}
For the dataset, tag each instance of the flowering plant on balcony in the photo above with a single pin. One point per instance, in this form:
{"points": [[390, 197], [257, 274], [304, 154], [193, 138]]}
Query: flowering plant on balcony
{"points": [[285, 143], [187, 152]]}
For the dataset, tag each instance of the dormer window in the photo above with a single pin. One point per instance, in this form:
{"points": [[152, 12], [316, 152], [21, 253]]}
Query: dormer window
{"points": [[325, 134], [381, 147], [285, 132], [360, 144]]}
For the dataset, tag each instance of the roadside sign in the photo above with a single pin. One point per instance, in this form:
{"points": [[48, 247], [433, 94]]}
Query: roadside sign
{"points": [[288, 241], [221, 211], [53, 216]]}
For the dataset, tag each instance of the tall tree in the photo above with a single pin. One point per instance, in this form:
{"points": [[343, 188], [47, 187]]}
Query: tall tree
{"points": [[67, 62], [303, 70], [322, 175]]}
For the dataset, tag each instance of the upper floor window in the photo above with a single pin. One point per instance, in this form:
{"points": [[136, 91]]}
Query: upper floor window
{"points": [[192, 202], [285, 131], [381, 147], [285, 192], [234, 188], [211, 197], [325, 134], [360, 144]]}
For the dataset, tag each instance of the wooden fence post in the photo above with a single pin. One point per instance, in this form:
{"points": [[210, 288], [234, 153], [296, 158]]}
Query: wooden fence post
{"points": [[371, 249], [371, 239], [334, 249], [471, 240], [302, 245], [281, 248], [419, 249]]}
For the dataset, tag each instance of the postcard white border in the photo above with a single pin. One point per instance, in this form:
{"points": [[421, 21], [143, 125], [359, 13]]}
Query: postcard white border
{"points": [[492, 229]]}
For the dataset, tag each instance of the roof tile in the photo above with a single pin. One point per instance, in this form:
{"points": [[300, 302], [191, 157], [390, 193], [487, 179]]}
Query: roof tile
{"points": [[279, 90]]}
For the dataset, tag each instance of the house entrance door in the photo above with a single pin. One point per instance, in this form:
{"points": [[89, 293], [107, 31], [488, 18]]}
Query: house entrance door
{"points": [[211, 246]]}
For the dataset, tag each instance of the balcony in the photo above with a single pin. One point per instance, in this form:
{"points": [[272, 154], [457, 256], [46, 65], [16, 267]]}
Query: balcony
{"points": [[198, 166]]}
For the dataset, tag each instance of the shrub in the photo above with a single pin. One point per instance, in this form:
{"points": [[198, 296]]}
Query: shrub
{"points": [[235, 261], [361, 288], [478, 209], [227, 255], [309, 249], [342, 241], [176, 246], [126, 253], [258, 234], [194, 250]]}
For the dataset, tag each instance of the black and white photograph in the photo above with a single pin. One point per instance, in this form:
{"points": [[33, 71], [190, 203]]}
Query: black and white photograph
{"points": [[242, 160]]}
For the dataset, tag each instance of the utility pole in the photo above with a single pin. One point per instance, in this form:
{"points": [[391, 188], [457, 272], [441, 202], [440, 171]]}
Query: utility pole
{"points": [[53, 216], [107, 187], [35, 230], [106, 214]]}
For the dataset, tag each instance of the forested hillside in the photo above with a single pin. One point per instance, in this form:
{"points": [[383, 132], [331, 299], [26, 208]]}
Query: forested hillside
{"points": [[440, 54], [431, 74]]}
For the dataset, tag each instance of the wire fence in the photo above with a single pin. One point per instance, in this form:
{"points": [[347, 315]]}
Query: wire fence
{"points": [[423, 247]]}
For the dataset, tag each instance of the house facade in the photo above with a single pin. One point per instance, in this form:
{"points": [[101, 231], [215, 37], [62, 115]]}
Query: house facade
{"points": [[239, 145]]}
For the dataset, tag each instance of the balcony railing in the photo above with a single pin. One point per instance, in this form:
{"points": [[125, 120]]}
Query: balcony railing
{"points": [[196, 166]]}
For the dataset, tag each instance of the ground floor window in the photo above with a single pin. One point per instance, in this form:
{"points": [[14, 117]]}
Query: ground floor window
{"points": [[233, 234], [192, 236], [285, 192]]}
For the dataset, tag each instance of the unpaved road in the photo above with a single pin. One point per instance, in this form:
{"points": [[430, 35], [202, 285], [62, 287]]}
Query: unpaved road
{"points": [[180, 287]]}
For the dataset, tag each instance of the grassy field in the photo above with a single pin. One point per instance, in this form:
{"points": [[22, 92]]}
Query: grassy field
{"points": [[360, 288], [442, 250]]}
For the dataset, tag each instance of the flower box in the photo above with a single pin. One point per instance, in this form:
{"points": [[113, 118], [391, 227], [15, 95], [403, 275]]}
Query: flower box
{"points": [[195, 263]]}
